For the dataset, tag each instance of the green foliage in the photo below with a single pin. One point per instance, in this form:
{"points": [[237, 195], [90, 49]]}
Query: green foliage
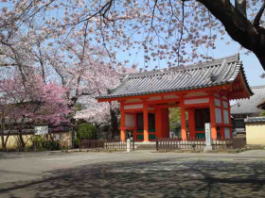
{"points": [[86, 131], [40, 143], [262, 113], [174, 118], [78, 107]]}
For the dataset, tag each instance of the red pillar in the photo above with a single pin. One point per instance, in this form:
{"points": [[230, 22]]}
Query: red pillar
{"points": [[122, 123], [165, 123], [222, 114], [135, 127], [158, 122], [192, 123], [230, 121], [213, 119], [145, 115], [183, 120]]}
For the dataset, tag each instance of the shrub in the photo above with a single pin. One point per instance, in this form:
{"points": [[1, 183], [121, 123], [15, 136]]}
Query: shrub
{"points": [[40, 143], [86, 131]]}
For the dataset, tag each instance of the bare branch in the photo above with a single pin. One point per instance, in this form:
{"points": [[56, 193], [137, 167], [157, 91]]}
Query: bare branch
{"points": [[256, 21], [101, 12], [181, 30], [153, 12]]}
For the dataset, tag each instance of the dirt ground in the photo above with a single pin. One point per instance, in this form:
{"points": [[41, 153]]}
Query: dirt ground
{"points": [[135, 174]]}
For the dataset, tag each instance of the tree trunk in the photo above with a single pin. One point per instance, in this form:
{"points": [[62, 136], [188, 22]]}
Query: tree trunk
{"points": [[3, 142], [114, 122], [74, 129], [21, 144], [251, 36], [113, 125]]}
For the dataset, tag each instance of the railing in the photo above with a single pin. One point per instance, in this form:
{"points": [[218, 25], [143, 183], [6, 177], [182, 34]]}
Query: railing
{"points": [[239, 142], [167, 144], [106, 144], [86, 143], [175, 144]]}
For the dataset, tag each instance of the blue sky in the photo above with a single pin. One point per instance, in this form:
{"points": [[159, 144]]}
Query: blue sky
{"points": [[253, 68], [251, 64]]}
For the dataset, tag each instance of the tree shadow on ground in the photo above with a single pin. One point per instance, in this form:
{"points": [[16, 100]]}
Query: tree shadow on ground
{"points": [[165, 178]]}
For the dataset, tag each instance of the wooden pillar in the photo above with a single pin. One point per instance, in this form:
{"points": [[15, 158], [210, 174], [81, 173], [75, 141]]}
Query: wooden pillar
{"points": [[192, 123], [213, 119], [229, 117], [135, 127], [183, 120], [165, 123], [158, 120], [145, 115], [122, 123], [223, 121]]}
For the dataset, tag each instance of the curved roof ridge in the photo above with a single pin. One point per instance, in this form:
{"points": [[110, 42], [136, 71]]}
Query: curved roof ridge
{"points": [[218, 72], [258, 87], [195, 66]]}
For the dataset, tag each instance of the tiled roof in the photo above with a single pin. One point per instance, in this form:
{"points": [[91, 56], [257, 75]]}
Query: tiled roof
{"points": [[202, 75], [249, 106], [255, 120], [261, 105]]}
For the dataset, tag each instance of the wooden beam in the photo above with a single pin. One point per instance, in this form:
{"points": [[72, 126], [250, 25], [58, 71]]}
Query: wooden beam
{"points": [[177, 93]]}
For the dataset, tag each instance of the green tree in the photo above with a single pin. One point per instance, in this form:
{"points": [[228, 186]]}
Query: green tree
{"points": [[262, 113], [86, 131], [174, 120]]}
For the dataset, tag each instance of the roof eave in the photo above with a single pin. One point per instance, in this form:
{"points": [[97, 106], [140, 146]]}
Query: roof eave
{"points": [[115, 97]]}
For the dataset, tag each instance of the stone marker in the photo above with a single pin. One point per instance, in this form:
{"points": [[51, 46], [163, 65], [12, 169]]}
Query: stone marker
{"points": [[208, 138], [128, 145]]}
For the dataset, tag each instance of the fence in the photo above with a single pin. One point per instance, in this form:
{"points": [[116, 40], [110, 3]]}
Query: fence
{"points": [[198, 144], [85, 143], [106, 144]]}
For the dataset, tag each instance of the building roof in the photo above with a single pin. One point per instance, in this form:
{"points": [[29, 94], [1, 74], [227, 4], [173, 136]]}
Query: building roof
{"points": [[250, 106], [255, 120], [208, 74], [262, 104]]}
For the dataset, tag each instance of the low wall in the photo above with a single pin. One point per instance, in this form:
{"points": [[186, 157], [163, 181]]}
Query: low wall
{"points": [[255, 133], [64, 138], [12, 141]]}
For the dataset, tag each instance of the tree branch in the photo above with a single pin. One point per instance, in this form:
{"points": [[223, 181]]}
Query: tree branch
{"points": [[238, 27], [258, 16], [101, 12]]}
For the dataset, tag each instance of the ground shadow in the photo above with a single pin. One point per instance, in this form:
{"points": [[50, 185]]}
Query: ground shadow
{"points": [[167, 178]]}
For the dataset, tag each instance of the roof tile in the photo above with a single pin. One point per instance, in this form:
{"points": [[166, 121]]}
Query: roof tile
{"points": [[207, 74]]}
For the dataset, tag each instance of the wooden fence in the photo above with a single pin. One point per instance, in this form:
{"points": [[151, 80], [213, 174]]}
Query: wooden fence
{"points": [[198, 144], [86, 143], [106, 144]]}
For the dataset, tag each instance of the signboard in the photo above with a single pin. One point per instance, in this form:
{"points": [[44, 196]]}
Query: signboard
{"points": [[208, 138], [41, 130]]}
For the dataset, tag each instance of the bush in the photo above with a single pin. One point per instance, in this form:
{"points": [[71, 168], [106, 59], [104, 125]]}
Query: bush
{"points": [[40, 143], [86, 131]]}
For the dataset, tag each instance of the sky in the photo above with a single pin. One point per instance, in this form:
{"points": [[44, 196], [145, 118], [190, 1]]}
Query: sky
{"points": [[253, 68]]}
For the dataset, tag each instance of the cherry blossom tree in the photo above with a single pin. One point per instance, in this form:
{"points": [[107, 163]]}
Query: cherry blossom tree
{"points": [[85, 46], [173, 32], [31, 101]]}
